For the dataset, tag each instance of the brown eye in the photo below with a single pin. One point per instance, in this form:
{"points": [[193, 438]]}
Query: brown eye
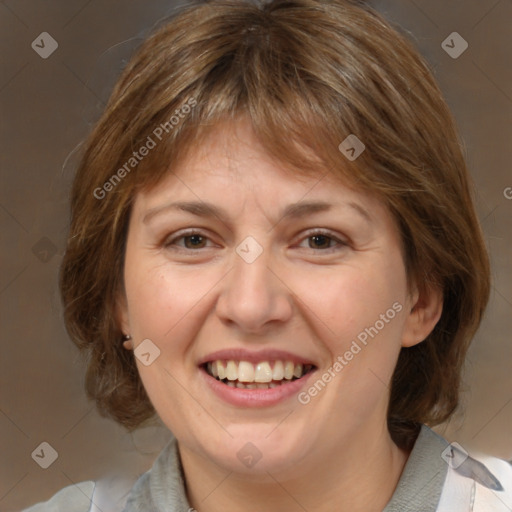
{"points": [[190, 241], [194, 241], [320, 242]]}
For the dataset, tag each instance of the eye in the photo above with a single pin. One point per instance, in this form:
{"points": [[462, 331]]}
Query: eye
{"points": [[190, 240], [194, 241], [322, 241]]}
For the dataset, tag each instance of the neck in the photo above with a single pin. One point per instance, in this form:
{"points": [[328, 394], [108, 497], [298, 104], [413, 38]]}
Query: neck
{"points": [[358, 476]]}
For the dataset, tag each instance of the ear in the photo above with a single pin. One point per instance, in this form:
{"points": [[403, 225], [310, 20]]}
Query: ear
{"points": [[121, 312], [425, 310]]}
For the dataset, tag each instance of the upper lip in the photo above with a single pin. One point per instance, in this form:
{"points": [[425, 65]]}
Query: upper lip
{"points": [[240, 354]]}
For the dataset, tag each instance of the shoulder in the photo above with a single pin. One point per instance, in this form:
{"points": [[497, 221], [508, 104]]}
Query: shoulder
{"points": [[74, 498], [481, 482], [444, 477], [106, 494]]}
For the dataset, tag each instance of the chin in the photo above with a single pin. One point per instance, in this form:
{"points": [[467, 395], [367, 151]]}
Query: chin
{"points": [[258, 449]]}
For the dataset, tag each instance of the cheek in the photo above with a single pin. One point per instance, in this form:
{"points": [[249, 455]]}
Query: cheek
{"points": [[346, 301], [151, 302], [169, 305], [157, 297]]}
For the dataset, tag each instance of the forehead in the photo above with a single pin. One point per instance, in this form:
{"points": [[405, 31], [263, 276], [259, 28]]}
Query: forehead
{"points": [[230, 164]]}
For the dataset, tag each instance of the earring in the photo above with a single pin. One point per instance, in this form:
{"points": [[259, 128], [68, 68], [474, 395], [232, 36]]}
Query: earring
{"points": [[127, 344]]}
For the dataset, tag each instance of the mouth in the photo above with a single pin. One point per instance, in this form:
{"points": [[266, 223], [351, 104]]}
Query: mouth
{"points": [[256, 376]]}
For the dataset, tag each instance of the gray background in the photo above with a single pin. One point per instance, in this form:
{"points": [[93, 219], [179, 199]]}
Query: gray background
{"points": [[48, 106]]}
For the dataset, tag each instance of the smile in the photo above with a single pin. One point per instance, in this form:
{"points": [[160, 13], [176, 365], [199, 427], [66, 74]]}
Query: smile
{"points": [[262, 375], [247, 384]]}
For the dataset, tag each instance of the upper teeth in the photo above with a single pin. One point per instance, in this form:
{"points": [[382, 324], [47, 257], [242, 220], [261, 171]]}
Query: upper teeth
{"points": [[243, 371]]}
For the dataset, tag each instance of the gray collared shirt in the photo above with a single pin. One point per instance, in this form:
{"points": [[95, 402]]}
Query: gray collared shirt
{"points": [[162, 488], [430, 482]]}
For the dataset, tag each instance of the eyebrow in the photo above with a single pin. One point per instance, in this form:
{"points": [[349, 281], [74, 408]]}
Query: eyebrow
{"points": [[296, 210]]}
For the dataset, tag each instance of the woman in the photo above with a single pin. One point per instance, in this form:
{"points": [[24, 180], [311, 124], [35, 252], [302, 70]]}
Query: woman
{"points": [[274, 249]]}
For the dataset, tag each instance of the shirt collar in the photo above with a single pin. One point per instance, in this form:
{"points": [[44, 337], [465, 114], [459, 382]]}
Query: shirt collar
{"points": [[419, 488], [423, 477]]}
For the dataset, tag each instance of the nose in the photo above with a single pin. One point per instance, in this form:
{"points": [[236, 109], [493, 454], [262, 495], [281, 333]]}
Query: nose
{"points": [[253, 297]]}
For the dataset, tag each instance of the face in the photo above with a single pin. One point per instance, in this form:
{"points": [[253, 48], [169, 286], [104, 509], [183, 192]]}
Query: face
{"points": [[293, 289]]}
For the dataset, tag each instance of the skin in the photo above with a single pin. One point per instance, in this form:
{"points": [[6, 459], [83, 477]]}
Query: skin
{"points": [[311, 297]]}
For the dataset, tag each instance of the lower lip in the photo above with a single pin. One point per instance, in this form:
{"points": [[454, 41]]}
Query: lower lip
{"points": [[255, 397]]}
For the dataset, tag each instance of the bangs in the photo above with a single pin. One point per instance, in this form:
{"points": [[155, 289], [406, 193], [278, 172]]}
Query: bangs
{"points": [[295, 127], [300, 90]]}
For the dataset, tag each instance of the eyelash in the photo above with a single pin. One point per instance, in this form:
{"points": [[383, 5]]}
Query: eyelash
{"points": [[194, 232], [322, 232], [318, 232]]}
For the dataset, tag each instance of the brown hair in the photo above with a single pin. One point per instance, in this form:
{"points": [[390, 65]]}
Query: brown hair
{"points": [[306, 73]]}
